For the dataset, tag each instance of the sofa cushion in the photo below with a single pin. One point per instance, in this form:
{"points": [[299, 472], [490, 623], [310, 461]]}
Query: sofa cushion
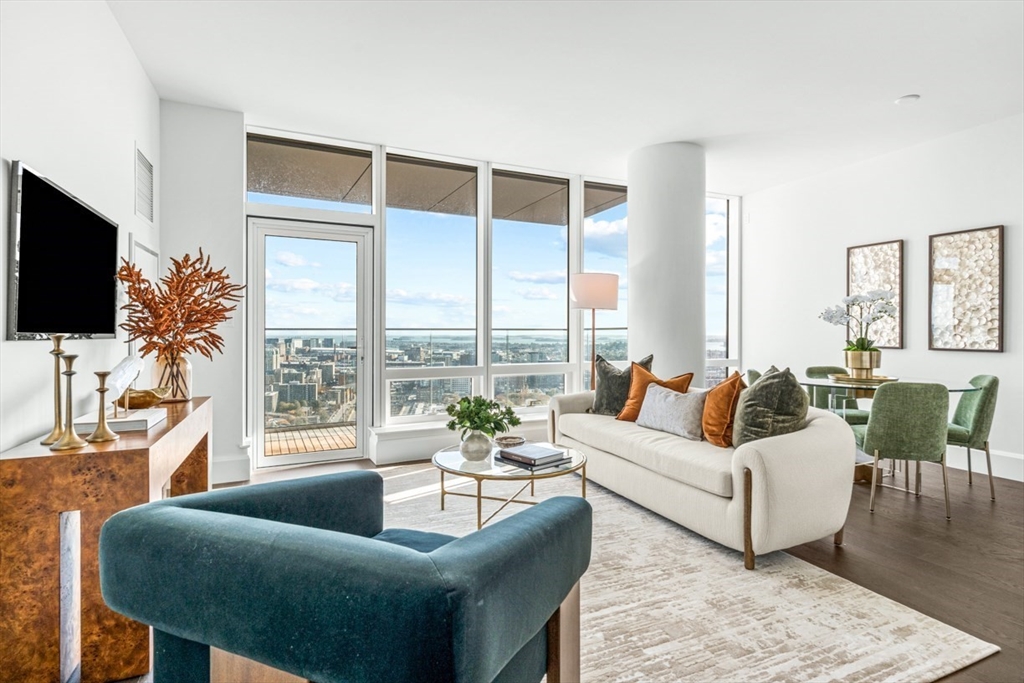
{"points": [[695, 463], [720, 410], [775, 404], [613, 385], [638, 390], [673, 412]]}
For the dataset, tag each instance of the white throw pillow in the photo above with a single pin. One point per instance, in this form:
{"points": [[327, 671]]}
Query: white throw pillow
{"points": [[673, 412]]}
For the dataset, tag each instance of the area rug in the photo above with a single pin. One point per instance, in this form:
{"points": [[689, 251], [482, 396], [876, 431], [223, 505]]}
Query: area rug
{"points": [[660, 603]]}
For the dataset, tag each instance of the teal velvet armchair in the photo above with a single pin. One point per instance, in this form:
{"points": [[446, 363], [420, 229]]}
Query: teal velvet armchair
{"points": [[302, 576]]}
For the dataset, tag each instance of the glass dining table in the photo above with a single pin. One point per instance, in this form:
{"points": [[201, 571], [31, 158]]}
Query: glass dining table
{"points": [[843, 389]]}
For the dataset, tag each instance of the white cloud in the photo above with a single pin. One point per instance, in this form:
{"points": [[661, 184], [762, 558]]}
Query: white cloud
{"points": [[549, 277], [400, 296], [289, 259], [715, 262], [267, 274], [605, 237], [716, 228], [536, 294], [339, 291]]}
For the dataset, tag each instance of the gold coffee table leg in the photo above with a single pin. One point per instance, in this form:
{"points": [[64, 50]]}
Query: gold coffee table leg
{"points": [[479, 504], [442, 489], [583, 473]]}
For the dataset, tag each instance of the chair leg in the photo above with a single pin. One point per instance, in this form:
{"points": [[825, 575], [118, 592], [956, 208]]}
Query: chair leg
{"points": [[918, 486], [838, 538], [906, 475], [945, 484], [874, 481], [970, 470], [564, 640], [177, 660], [991, 482]]}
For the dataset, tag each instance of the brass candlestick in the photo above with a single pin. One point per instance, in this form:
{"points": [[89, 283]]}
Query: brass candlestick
{"points": [[102, 431], [58, 427], [69, 439]]}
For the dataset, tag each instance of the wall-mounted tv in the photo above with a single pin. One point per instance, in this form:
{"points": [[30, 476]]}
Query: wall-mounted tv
{"points": [[62, 263]]}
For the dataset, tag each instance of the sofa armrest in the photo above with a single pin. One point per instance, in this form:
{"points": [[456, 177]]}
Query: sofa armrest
{"points": [[564, 404], [802, 482], [349, 502], [509, 578]]}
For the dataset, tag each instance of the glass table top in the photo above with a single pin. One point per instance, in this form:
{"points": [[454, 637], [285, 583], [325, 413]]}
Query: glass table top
{"points": [[838, 384], [451, 460]]}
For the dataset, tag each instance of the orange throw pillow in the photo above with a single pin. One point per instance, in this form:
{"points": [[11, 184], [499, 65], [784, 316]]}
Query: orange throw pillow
{"points": [[720, 410], [638, 383]]}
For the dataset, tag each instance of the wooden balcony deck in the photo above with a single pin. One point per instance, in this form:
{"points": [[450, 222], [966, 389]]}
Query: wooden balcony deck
{"points": [[311, 439]]}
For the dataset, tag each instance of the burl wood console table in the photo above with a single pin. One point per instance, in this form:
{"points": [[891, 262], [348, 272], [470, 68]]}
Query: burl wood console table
{"points": [[36, 486]]}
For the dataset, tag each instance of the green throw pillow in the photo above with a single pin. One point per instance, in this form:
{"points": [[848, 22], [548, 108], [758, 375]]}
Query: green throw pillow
{"points": [[613, 385], [775, 404]]}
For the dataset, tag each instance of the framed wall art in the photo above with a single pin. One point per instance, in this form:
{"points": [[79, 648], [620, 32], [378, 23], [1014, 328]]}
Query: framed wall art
{"points": [[879, 266], [965, 290]]}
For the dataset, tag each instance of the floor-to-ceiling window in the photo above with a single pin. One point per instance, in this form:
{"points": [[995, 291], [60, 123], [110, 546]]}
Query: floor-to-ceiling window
{"points": [[431, 285], [604, 251], [474, 263]]}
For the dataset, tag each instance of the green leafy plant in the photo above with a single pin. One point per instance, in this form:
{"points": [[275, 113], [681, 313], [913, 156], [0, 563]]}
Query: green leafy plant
{"points": [[481, 414]]}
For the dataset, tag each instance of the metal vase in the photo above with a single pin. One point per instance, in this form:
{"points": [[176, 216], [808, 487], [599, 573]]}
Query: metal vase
{"points": [[862, 364]]}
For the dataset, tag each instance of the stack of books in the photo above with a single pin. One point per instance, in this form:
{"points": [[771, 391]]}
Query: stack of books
{"points": [[533, 456]]}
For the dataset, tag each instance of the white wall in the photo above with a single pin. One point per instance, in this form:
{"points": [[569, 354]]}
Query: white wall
{"points": [[794, 261], [74, 101], [203, 188]]}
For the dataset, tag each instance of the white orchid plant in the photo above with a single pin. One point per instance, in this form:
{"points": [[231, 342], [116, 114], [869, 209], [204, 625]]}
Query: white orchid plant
{"points": [[859, 311]]}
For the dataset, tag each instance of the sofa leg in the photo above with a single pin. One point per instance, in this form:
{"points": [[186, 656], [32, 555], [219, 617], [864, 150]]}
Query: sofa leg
{"points": [[838, 538], [564, 640], [177, 660], [748, 497]]}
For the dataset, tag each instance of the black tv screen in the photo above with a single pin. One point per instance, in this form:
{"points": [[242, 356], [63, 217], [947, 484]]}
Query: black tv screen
{"points": [[62, 263]]}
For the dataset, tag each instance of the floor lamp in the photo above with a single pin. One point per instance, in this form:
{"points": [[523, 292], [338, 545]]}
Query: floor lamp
{"points": [[594, 291]]}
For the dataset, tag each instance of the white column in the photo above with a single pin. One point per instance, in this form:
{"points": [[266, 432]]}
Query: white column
{"points": [[666, 258]]}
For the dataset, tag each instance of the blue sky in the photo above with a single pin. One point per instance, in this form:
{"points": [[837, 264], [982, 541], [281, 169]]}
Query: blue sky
{"points": [[431, 276]]}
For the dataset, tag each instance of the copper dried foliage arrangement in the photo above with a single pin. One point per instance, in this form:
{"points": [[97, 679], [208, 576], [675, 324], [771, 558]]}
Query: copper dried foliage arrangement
{"points": [[179, 315]]}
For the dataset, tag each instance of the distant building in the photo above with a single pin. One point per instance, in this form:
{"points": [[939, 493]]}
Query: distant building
{"points": [[271, 359], [270, 401], [291, 392]]}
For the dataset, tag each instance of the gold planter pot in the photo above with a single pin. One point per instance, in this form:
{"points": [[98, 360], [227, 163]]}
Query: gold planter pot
{"points": [[862, 364]]}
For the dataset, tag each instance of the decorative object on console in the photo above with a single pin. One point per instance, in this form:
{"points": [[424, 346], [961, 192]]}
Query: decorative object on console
{"points": [[862, 310], [638, 384], [613, 387], [720, 410], [965, 290], [673, 412], [879, 266], [137, 399], [479, 419], [137, 420], [594, 291], [58, 426], [69, 439], [178, 316], [102, 431], [775, 404]]}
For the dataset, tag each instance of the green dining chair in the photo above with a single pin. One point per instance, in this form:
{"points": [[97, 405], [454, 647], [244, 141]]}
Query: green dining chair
{"points": [[908, 422], [819, 395], [972, 422]]}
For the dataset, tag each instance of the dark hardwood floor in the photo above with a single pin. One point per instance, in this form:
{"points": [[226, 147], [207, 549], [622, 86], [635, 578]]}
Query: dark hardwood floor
{"points": [[968, 572]]}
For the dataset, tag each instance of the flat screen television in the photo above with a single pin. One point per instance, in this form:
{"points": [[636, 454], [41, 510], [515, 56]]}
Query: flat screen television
{"points": [[62, 263]]}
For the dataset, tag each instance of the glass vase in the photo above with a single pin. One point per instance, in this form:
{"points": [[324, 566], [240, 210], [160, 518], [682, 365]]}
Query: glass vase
{"points": [[476, 446], [174, 372]]}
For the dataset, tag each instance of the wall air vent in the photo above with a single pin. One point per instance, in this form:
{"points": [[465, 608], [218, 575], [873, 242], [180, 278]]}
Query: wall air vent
{"points": [[143, 186]]}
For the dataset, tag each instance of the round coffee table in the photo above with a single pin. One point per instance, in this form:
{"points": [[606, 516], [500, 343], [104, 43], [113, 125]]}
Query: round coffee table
{"points": [[449, 460]]}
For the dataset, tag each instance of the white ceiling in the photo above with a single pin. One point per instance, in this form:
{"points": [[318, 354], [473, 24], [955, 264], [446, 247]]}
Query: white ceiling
{"points": [[774, 91]]}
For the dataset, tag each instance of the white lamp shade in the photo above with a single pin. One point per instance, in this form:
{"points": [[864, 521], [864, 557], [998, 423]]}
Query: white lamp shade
{"points": [[594, 290]]}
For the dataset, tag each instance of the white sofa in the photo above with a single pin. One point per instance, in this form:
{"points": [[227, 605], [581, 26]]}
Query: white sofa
{"points": [[765, 495]]}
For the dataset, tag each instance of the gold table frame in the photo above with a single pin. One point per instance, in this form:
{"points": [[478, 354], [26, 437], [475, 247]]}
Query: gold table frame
{"points": [[449, 460]]}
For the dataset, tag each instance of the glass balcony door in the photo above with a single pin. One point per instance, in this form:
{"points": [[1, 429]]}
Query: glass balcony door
{"points": [[310, 350]]}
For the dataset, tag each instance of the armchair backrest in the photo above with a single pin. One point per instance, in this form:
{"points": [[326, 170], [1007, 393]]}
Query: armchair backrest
{"points": [[820, 395], [976, 409], [908, 421]]}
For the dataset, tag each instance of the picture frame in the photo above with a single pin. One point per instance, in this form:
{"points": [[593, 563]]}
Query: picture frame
{"points": [[965, 290], [879, 266]]}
